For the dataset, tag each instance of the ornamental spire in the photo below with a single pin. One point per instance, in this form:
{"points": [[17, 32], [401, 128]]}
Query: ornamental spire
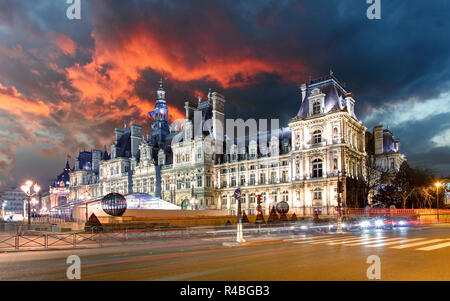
{"points": [[161, 94]]}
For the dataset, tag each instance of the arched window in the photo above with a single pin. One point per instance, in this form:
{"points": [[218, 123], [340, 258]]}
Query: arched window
{"points": [[317, 168], [335, 164], [317, 136], [316, 107]]}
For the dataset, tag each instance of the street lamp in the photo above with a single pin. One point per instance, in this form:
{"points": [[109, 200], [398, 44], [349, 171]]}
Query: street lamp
{"points": [[437, 184], [340, 190], [193, 202], [85, 197], [34, 202], [29, 192]]}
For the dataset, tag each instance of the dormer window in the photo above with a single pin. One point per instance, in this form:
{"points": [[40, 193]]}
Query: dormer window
{"points": [[316, 107]]}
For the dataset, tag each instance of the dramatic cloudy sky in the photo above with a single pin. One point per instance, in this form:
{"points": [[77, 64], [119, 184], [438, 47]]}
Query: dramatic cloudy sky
{"points": [[65, 84]]}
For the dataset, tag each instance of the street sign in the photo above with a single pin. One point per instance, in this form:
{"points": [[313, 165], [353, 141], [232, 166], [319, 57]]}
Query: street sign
{"points": [[237, 194]]}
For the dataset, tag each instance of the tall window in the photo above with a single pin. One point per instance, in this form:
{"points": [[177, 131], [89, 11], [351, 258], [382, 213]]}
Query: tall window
{"points": [[316, 107], [262, 178], [199, 181], [242, 180], [317, 194], [284, 176], [252, 179], [273, 177], [152, 185], [285, 196], [317, 136], [335, 164], [317, 168]]}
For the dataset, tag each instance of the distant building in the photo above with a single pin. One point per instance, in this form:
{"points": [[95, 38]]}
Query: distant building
{"points": [[384, 149], [14, 199], [59, 189]]}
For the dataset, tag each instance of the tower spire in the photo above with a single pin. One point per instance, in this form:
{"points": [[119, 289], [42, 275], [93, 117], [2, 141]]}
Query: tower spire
{"points": [[161, 94]]}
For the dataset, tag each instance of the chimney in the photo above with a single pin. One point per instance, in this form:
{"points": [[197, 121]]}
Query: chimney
{"points": [[136, 132], [96, 158], [378, 139], [119, 133], [303, 89], [218, 120]]}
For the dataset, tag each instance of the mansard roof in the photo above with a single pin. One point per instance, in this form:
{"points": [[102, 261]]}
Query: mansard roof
{"points": [[334, 92], [389, 144]]}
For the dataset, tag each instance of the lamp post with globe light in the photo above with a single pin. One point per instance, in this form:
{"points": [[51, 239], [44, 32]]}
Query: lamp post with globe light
{"points": [[86, 197], [34, 202], [30, 189], [193, 202], [437, 184]]}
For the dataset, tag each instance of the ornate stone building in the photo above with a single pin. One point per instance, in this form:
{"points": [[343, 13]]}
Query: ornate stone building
{"points": [[194, 164]]}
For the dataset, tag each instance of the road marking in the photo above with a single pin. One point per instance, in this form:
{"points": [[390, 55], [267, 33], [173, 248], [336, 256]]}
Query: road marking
{"points": [[378, 240], [426, 242], [325, 241], [311, 237], [434, 247], [382, 244], [322, 240], [355, 240]]}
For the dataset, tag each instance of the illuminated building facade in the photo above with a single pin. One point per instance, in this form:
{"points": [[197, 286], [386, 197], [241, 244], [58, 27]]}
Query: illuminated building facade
{"points": [[189, 165]]}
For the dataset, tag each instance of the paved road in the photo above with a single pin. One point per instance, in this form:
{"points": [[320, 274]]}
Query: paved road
{"points": [[417, 253]]}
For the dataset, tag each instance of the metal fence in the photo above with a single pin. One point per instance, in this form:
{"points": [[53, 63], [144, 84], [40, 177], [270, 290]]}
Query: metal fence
{"points": [[30, 240]]}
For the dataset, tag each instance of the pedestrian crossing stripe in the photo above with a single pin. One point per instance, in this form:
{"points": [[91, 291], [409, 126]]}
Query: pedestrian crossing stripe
{"points": [[311, 237], [371, 242], [383, 244], [376, 240], [323, 240], [435, 247], [356, 240], [415, 244]]}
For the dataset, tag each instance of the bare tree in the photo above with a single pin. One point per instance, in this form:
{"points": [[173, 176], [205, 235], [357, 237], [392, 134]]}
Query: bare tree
{"points": [[374, 177]]}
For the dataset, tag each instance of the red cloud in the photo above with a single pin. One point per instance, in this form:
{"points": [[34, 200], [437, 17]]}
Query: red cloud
{"points": [[66, 44]]}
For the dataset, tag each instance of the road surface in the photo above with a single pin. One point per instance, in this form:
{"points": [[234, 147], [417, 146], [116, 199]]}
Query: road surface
{"points": [[415, 253]]}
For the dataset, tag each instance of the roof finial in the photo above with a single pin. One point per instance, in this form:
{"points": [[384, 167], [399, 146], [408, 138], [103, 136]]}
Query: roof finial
{"points": [[124, 124], [161, 94], [331, 72], [209, 94], [199, 98]]}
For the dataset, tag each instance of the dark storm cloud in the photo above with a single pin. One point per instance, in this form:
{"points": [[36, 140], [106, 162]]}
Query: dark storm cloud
{"points": [[88, 76]]}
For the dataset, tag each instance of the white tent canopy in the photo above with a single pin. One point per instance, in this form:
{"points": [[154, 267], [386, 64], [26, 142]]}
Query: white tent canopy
{"points": [[144, 201]]}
